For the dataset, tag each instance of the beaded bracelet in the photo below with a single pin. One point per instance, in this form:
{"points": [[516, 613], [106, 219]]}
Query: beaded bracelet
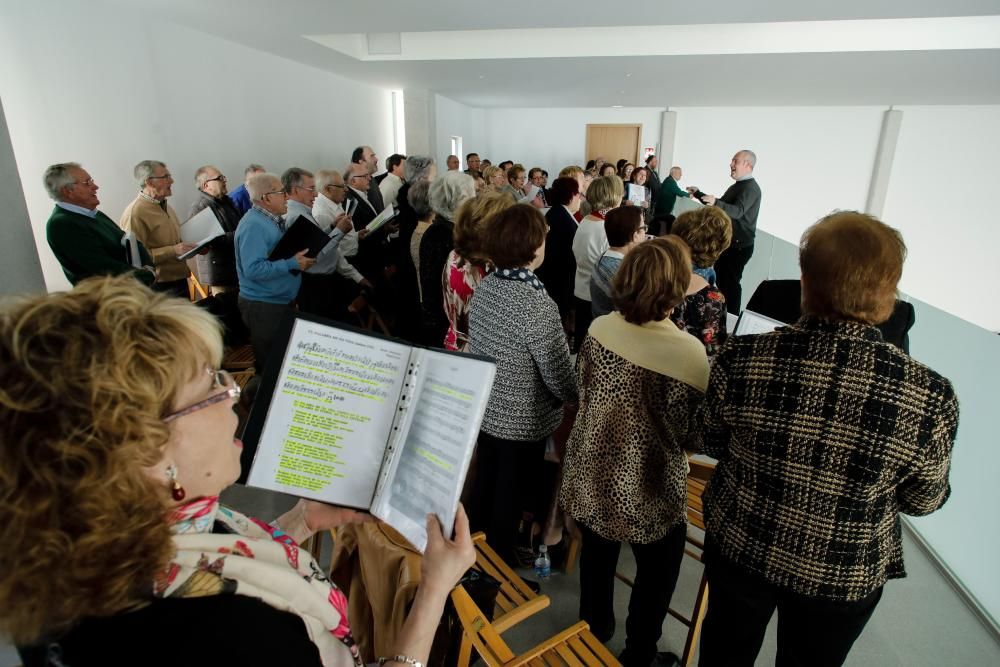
{"points": [[401, 658]]}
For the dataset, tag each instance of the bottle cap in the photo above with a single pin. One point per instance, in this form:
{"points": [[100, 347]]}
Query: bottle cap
{"points": [[543, 548]]}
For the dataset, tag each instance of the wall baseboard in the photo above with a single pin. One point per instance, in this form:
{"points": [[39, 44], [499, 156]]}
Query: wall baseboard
{"points": [[977, 609]]}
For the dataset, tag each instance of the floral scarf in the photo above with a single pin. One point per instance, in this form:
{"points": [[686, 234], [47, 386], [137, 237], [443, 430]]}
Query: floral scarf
{"points": [[245, 556]]}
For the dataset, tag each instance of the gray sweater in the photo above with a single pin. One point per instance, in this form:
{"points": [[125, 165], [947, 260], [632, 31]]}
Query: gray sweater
{"points": [[519, 327]]}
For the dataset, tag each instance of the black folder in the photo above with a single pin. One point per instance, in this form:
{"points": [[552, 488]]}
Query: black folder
{"points": [[302, 235]]}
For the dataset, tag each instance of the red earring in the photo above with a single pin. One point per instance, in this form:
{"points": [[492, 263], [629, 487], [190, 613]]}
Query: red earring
{"points": [[177, 491]]}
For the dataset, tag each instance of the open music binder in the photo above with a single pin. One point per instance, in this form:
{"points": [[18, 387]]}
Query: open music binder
{"points": [[359, 420]]}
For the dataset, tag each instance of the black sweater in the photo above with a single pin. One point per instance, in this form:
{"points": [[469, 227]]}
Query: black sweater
{"points": [[742, 202]]}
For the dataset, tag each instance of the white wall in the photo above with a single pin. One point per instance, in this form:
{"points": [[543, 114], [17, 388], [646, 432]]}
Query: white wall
{"points": [[810, 160], [555, 138], [941, 195], [456, 119], [83, 83]]}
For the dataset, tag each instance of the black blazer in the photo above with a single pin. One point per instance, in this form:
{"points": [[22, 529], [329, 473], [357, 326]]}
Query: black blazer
{"points": [[782, 300], [558, 270]]}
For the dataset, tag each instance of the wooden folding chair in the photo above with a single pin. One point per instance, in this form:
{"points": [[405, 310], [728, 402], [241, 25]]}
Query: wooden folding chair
{"points": [[515, 602], [197, 291], [238, 358], [697, 479], [367, 316], [575, 647]]}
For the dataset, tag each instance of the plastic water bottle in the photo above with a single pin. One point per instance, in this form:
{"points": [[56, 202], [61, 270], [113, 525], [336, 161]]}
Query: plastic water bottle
{"points": [[543, 564]]}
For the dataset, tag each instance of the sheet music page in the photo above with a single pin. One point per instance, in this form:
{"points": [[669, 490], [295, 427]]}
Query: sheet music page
{"points": [[387, 214], [755, 323], [201, 227], [429, 471], [329, 419]]}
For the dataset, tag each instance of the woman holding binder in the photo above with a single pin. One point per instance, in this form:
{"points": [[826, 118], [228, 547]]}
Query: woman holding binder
{"points": [[513, 321], [116, 439]]}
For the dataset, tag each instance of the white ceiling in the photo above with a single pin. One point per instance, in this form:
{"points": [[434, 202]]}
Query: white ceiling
{"points": [[946, 71]]}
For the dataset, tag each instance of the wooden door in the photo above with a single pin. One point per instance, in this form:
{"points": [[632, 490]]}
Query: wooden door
{"points": [[613, 142]]}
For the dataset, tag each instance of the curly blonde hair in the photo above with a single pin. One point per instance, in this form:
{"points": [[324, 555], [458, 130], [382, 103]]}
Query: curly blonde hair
{"points": [[708, 231], [86, 378], [470, 220]]}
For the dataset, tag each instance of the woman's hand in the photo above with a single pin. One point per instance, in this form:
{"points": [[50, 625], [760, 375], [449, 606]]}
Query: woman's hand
{"points": [[445, 561]]}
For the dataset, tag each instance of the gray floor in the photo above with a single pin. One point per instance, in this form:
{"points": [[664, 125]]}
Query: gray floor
{"points": [[920, 621]]}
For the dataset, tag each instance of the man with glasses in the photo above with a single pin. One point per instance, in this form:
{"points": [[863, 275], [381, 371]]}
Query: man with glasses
{"points": [[267, 288], [323, 291], [154, 223], [85, 241], [474, 163], [218, 267]]}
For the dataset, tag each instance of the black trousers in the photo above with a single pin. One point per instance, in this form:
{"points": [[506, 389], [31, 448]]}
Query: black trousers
{"points": [[263, 320], [657, 565], [508, 483], [729, 273], [584, 316], [811, 632], [327, 295]]}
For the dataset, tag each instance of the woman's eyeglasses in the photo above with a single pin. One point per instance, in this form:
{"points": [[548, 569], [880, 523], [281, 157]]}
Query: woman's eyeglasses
{"points": [[220, 380]]}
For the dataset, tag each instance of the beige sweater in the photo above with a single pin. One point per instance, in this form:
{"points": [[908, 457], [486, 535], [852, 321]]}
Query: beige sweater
{"points": [[159, 230]]}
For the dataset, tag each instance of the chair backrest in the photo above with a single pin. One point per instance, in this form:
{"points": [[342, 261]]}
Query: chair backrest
{"points": [[697, 479], [513, 591], [479, 630]]}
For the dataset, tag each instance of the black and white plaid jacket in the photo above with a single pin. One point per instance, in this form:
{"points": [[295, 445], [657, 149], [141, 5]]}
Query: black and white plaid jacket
{"points": [[824, 434]]}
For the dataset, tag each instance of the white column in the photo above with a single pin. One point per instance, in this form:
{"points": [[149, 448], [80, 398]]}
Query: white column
{"points": [[892, 120], [20, 268], [418, 111], [668, 135]]}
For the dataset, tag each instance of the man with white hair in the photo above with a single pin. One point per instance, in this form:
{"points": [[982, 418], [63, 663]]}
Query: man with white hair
{"points": [[742, 203], [85, 241], [372, 255], [267, 288], [321, 292], [154, 223], [218, 267], [453, 163]]}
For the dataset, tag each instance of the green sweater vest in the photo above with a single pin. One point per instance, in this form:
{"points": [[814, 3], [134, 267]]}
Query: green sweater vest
{"points": [[88, 247]]}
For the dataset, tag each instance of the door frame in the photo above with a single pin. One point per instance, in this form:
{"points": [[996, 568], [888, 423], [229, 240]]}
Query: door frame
{"points": [[638, 143]]}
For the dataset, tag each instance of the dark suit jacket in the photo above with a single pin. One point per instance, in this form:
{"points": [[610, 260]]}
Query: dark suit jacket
{"points": [[371, 257], [782, 300], [558, 270]]}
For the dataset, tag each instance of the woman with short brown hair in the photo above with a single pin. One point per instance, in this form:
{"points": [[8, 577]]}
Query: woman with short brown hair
{"points": [[513, 320], [707, 231], [825, 434], [641, 381], [467, 263]]}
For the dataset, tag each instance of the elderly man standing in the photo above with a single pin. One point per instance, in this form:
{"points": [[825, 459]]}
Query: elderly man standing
{"points": [[85, 241], [328, 286], [453, 163], [742, 203], [154, 223], [393, 180], [240, 196], [267, 288], [365, 156], [218, 267]]}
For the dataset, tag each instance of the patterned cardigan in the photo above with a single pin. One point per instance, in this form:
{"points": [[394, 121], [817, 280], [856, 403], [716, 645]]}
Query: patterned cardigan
{"points": [[519, 326], [824, 434]]}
